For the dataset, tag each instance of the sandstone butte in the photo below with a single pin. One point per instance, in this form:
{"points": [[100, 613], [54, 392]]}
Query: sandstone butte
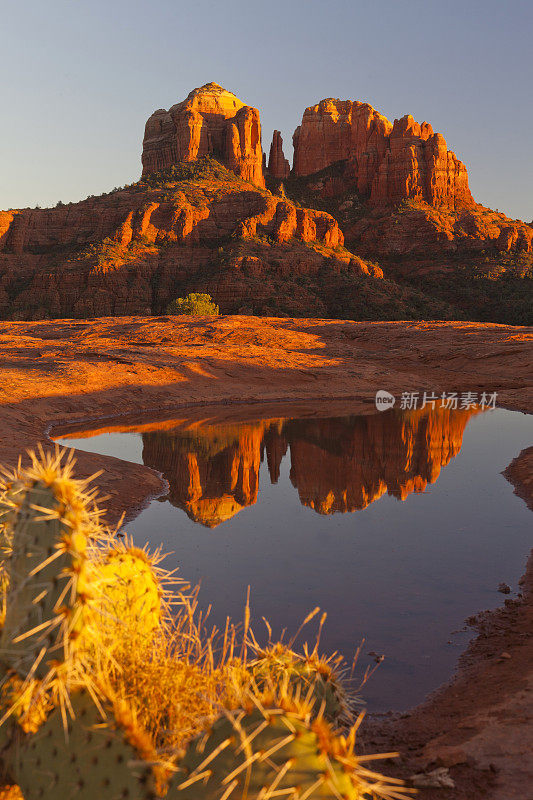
{"points": [[415, 190], [213, 470], [385, 162], [210, 121], [208, 215]]}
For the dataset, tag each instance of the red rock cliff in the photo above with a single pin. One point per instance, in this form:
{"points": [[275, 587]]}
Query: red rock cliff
{"points": [[343, 466], [213, 471], [387, 163], [211, 121], [337, 465]]}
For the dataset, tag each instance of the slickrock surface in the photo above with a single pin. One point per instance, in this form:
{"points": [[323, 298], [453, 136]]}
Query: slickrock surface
{"points": [[386, 162], [210, 121], [64, 372]]}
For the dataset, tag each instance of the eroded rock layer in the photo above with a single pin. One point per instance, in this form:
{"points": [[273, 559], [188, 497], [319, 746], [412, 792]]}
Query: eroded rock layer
{"points": [[133, 251], [210, 121], [386, 162]]}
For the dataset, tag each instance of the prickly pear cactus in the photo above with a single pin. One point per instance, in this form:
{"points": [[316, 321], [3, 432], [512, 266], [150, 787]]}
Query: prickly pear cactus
{"points": [[46, 575], [83, 756], [78, 617], [261, 752], [313, 677], [25, 701], [127, 594]]}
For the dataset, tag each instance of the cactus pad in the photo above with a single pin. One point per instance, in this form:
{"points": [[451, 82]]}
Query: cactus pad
{"points": [[320, 678], [47, 579], [25, 701], [127, 594], [83, 757], [261, 752]]}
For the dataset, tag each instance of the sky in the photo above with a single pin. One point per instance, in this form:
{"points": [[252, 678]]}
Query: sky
{"points": [[80, 78]]}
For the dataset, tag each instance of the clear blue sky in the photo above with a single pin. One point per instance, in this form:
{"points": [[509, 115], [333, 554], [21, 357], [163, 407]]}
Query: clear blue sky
{"points": [[80, 77]]}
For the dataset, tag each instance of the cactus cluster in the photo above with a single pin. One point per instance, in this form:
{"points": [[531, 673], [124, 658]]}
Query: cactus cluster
{"points": [[319, 678], [108, 689], [276, 748]]}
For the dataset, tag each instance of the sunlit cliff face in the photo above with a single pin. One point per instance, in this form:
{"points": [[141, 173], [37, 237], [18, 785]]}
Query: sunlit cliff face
{"points": [[337, 465], [346, 464], [213, 470]]}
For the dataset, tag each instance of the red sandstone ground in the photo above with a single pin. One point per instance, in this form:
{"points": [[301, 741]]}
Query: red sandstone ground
{"points": [[65, 371]]}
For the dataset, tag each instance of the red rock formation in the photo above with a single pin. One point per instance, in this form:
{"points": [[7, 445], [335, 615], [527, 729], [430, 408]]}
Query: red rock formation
{"points": [[278, 166], [125, 253], [336, 130], [213, 471], [339, 465], [276, 448], [336, 464], [211, 121], [386, 163], [131, 251], [418, 165], [418, 229]]}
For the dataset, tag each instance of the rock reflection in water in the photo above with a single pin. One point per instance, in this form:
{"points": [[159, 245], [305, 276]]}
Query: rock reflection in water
{"points": [[337, 464]]}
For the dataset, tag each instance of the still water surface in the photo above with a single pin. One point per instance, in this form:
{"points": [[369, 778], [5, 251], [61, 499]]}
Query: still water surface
{"points": [[398, 524]]}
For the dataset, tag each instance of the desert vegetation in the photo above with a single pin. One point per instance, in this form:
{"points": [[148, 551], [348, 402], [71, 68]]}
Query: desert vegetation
{"points": [[114, 686], [195, 304]]}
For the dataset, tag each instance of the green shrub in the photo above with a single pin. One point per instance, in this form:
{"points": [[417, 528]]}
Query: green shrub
{"points": [[193, 304]]}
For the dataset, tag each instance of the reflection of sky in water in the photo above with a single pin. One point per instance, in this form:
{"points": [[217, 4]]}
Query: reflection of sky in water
{"points": [[403, 575]]}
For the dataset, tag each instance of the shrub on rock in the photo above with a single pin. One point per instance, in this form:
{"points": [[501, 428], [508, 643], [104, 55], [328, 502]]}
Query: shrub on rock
{"points": [[194, 305]]}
